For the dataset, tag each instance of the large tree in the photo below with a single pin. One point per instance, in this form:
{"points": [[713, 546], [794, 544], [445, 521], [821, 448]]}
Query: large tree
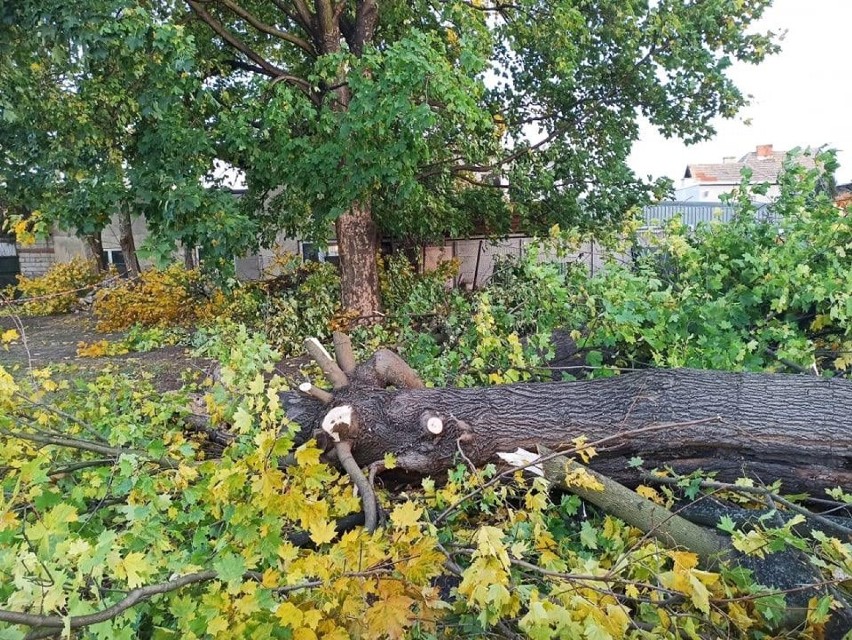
{"points": [[101, 108], [418, 119]]}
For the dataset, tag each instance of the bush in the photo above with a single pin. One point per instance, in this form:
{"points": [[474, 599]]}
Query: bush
{"points": [[174, 296], [301, 302], [57, 291]]}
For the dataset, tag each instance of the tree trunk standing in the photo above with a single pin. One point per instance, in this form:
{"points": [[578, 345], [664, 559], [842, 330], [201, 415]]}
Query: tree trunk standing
{"points": [[357, 237], [793, 428], [358, 246], [125, 239], [95, 250], [189, 260]]}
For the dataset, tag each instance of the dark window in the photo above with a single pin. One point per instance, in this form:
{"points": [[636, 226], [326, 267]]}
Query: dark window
{"points": [[115, 258], [313, 252]]}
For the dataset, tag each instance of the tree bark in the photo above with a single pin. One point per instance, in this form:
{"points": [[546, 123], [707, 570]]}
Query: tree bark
{"points": [[128, 245], [769, 426], [189, 258], [357, 238], [358, 246], [95, 250]]}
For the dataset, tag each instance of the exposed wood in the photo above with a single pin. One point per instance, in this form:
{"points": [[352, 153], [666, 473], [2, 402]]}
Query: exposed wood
{"points": [[309, 390], [771, 426], [343, 352], [329, 367]]}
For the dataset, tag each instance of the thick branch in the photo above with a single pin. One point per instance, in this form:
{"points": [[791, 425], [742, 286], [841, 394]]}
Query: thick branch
{"points": [[329, 367], [616, 499], [343, 352], [368, 496], [393, 370], [268, 68], [310, 391], [258, 24]]}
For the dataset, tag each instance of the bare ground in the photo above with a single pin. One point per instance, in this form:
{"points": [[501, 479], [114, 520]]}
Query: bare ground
{"points": [[53, 340]]}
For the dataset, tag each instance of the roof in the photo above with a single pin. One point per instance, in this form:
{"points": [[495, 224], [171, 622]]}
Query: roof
{"points": [[765, 163]]}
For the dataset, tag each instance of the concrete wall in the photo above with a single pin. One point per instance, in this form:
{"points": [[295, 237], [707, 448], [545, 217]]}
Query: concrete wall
{"points": [[466, 251], [256, 266]]}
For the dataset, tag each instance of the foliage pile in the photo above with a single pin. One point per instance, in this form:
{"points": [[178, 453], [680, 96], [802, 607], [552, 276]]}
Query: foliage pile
{"points": [[138, 339], [59, 290], [300, 301], [174, 296], [104, 494]]}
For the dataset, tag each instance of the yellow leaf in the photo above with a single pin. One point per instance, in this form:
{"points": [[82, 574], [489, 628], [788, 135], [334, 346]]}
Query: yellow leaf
{"points": [[304, 633], [406, 515], [700, 595], [579, 477], [650, 493], [311, 618], [242, 421], [289, 614], [389, 461], [739, 616], [322, 531], [684, 559], [134, 568], [217, 625], [307, 455], [10, 335], [390, 616]]}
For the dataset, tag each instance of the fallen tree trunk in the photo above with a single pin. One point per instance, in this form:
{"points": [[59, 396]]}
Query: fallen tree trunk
{"points": [[797, 429]]}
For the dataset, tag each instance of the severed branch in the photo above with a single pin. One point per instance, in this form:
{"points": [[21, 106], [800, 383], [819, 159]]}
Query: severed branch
{"points": [[310, 391], [332, 371], [343, 352], [50, 625], [621, 502], [133, 597], [393, 370], [85, 445]]}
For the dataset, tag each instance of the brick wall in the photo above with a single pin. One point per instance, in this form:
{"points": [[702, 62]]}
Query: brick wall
{"points": [[36, 259]]}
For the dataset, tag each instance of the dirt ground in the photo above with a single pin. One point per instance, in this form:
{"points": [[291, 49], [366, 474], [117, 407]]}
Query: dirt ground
{"points": [[53, 340]]}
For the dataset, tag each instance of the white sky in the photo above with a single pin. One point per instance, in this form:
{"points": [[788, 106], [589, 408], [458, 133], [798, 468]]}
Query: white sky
{"points": [[801, 96]]}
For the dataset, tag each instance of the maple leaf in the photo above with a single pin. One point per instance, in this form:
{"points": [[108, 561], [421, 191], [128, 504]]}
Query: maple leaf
{"points": [[242, 421], [289, 614], [134, 568], [406, 515], [217, 625], [389, 617], [322, 531]]}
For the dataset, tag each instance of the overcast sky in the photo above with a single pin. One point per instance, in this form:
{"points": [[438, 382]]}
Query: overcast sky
{"points": [[802, 96]]}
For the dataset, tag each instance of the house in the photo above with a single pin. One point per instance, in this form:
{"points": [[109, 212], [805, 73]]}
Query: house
{"points": [[843, 195], [708, 182]]}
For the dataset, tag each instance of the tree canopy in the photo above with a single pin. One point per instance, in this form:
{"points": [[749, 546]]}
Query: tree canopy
{"points": [[423, 118]]}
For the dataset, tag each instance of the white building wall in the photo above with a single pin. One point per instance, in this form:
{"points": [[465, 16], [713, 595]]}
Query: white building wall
{"points": [[714, 193]]}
